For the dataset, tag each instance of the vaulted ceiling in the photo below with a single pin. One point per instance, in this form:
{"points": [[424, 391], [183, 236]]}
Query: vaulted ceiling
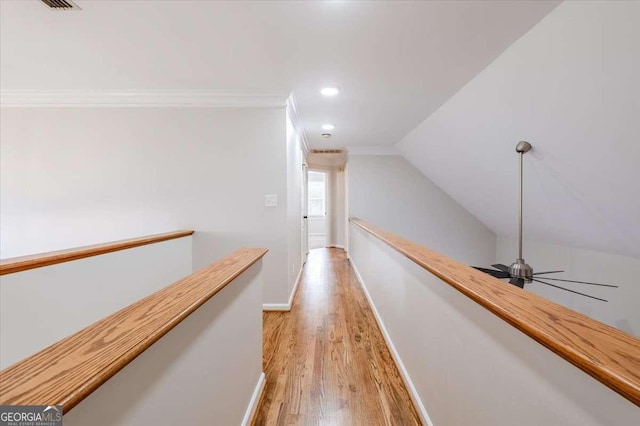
{"points": [[457, 83], [570, 87], [396, 62]]}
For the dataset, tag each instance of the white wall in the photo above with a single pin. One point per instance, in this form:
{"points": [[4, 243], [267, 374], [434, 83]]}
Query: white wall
{"points": [[467, 366], [340, 207], [204, 371], [77, 176], [622, 309], [347, 211], [40, 306], [295, 157], [389, 192], [333, 206]]}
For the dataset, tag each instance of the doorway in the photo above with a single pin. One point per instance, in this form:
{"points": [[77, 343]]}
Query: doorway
{"points": [[317, 185]]}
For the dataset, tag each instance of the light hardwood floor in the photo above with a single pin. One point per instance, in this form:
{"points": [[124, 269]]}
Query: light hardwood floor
{"points": [[326, 361]]}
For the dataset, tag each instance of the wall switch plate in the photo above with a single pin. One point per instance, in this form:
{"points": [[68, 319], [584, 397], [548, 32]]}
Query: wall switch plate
{"points": [[270, 200]]}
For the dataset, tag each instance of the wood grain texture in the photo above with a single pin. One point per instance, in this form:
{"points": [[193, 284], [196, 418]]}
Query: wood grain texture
{"points": [[24, 263], [68, 371], [604, 352], [326, 361]]}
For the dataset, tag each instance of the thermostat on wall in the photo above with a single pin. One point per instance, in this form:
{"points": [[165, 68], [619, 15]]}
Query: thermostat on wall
{"points": [[270, 200]]}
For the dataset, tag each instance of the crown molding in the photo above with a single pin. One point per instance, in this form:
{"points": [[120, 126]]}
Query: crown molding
{"points": [[296, 119], [150, 98], [372, 150]]}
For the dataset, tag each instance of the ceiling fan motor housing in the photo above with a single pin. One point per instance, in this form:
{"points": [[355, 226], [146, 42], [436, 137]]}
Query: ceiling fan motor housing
{"points": [[520, 269], [523, 147]]}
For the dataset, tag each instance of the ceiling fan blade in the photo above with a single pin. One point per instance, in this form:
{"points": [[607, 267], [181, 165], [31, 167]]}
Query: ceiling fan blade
{"points": [[502, 267], [581, 282], [547, 272], [572, 291], [492, 272], [517, 282]]}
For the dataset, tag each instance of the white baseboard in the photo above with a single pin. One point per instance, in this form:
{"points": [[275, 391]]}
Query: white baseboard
{"points": [[276, 307], [285, 306], [422, 411], [255, 400], [295, 287]]}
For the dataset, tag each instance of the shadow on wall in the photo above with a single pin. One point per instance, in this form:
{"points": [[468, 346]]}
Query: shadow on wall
{"points": [[149, 376]]}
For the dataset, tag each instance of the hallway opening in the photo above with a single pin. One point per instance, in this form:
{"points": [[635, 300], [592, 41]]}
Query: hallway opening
{"points": [[326, 361], [317, 195]]}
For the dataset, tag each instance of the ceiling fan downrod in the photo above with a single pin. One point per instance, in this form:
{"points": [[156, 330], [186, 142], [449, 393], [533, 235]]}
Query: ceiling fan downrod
{"points": [[520, 269], [519, 272]]}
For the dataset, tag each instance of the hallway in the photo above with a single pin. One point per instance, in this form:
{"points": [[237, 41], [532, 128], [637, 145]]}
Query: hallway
{"points": [[326, 361]]}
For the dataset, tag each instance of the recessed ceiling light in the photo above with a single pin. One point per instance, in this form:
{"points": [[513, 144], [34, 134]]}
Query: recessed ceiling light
{"points": [[328, 127], [330, 90], [326, 135]]}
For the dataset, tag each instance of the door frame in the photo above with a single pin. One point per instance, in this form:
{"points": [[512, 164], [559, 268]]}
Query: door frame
{"points": [[305, 211], [327, 203]]}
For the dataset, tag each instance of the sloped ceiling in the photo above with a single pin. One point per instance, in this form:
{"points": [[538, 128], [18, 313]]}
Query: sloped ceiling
{"points": [[570, 87], [396, 61]]}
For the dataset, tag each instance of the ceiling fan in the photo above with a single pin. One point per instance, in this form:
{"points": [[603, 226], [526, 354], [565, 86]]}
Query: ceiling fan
{"points": [[520, 272]]}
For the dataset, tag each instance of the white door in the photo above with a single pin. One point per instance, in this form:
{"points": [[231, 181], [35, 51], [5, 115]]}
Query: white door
{"points": [[305, 209], [317, 209]]}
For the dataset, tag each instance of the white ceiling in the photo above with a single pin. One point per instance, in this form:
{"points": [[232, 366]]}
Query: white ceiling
{"points": [[397, 62], [570, 87]]}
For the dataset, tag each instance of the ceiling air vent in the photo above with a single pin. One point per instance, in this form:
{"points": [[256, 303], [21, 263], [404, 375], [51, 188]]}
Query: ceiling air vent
{"points": [[327, 151], [60, 4]]}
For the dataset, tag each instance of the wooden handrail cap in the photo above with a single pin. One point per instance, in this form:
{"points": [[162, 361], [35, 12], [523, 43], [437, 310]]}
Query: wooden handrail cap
{"points": [[604, 352], [68, 371], [24, 263]]}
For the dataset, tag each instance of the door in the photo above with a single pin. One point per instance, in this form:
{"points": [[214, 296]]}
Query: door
{"points": [[305, 231], [317, 209]]}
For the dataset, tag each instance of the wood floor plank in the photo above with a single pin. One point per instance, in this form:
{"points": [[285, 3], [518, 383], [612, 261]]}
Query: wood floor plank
{"points": [[326, 360]]}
